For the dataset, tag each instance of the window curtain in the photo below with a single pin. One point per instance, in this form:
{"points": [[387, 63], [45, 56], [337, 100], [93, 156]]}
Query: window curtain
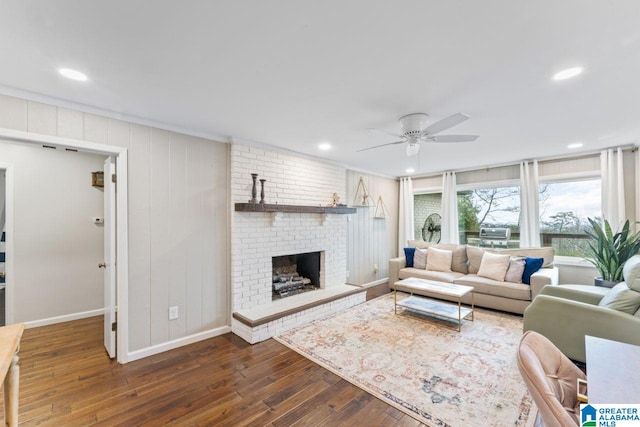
{"points": [[529, 206], [637, 187], [449, 229], [612, 174], [405, 211]]}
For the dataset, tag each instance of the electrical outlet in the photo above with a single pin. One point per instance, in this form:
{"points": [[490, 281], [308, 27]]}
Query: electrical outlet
{"points": [[173, 312]]}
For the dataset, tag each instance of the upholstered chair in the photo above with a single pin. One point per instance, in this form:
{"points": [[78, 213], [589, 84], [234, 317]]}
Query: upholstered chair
{"points": [[551, 379], [565, 314]]}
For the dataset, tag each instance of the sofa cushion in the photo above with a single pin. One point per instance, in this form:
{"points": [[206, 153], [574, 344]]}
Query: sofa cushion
{"points": [[544, 253], [418, 244], [458, 256], [515, 270], [439, 259], [420, 258], [494, 266], [621, 298], [631, 272], [531, 265], [459, 253], [482, 285], [408, 254], [474, 255], [440, 276]]}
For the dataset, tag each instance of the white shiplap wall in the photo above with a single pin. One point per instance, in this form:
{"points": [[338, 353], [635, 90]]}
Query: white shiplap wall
{"points": [[178, 218], [371, 241]]}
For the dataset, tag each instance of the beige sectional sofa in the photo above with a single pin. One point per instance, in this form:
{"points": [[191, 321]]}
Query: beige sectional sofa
{"points": [[490, 293]]}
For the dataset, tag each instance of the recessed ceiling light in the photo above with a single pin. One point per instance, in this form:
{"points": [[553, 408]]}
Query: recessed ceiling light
{"points": [[410, 170], [575, 145], [324, 146], [568, 73], [73, 74]]}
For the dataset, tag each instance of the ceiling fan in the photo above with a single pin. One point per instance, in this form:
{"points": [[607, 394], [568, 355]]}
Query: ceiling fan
{"points": [[414, 130]]}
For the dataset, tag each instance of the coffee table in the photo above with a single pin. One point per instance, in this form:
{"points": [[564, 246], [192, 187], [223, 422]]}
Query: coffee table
{"points": [[429, 306]]}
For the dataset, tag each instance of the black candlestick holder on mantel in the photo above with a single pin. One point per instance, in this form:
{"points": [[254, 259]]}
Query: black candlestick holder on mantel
{"points": [[262, 181], [254, 192]]}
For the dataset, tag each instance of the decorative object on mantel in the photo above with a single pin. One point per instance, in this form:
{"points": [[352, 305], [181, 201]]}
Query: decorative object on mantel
{"points": [[254, 193], [362, 198], [335, 201], [610, 251], [381, 209], [262, 181]]}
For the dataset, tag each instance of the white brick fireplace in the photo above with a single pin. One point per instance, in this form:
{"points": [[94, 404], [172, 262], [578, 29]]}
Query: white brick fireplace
{"points": [[259, 236]]}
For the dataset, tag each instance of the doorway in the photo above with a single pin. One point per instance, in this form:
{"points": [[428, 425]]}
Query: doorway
{"points": [[119, 156], [3, 253]]}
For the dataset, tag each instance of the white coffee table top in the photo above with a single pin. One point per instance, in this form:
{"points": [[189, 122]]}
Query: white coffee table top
{"points": [[442, 288]]}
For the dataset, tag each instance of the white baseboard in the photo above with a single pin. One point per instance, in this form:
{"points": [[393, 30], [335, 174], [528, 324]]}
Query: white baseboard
{"points": [[65, 318], [180, 342]]}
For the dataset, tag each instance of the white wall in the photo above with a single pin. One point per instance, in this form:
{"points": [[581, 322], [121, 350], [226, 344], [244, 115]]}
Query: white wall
{"points": [[57, 247], [178, 218], [371, 241]]}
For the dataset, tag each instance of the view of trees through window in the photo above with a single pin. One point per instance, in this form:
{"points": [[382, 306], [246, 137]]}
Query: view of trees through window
{"points": [[564, 209], [563, 215]]}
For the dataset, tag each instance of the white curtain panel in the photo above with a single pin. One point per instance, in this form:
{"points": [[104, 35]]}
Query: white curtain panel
{"points": [[449, 209], [637, 188], [529, 206], [405, 213], [612, 173]]}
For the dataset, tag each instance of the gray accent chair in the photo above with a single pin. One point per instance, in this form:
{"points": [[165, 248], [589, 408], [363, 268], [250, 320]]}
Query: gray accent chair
{"points": [[565, 314]]}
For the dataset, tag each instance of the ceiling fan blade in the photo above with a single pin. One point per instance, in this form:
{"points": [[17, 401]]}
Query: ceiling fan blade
{"points": [[453, 138], [395, 135], [381, 145], [445, 124]]}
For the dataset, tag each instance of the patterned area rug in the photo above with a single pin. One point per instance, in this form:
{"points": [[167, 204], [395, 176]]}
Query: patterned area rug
{"points": [[431, 372]]}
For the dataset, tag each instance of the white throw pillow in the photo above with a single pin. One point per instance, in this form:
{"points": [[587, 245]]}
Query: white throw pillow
{"points": [[439, 259], [420, 258], [494, 266], [515, 270]]}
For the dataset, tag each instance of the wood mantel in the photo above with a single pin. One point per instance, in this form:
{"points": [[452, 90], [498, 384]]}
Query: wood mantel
{"points": [[264, 207]]}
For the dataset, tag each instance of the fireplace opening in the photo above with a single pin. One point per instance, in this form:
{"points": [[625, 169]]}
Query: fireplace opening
{"points": [[294, 274]]}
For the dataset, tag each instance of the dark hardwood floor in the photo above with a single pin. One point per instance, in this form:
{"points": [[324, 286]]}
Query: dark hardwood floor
{"points": [[66, 379]]}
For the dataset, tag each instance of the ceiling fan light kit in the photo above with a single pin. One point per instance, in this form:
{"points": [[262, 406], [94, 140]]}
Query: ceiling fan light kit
{"points": [[412, 148], [414, 130]]}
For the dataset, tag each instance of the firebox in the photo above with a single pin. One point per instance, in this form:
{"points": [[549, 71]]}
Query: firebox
{"points": [[294, 274]]}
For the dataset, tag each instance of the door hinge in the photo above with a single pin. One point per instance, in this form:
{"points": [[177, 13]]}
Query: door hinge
{"points": [[114, 326], [114, 177]]}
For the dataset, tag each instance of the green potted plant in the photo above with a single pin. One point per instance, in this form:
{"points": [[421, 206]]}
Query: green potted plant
{"points": [[610, 251]]}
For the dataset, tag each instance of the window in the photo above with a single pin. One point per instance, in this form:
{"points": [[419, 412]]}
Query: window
{"points": [[496, 207], [564, 209]]}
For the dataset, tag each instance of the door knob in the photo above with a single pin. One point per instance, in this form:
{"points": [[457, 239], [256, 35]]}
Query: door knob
{"points": [[3, 275], [102, 265]]}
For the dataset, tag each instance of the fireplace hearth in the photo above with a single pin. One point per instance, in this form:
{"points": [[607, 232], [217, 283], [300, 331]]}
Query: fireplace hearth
{"points": [[294, 274]]}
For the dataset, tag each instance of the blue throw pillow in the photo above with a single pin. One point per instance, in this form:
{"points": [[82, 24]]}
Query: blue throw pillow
{"points": [[531, 265], [408, 254]]}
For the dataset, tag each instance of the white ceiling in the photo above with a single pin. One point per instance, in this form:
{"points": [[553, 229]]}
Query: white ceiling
{"points": [[294, 73]]}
